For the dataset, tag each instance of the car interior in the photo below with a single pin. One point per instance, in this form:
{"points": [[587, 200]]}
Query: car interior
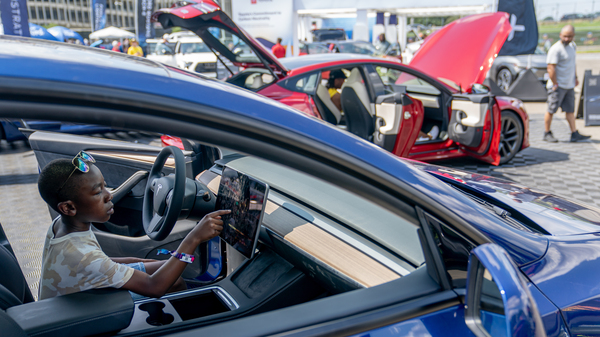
{"points": [[316, 241], [359, 114]]}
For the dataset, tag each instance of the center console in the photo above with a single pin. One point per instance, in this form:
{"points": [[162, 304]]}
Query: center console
{"points": [[264, 283]]}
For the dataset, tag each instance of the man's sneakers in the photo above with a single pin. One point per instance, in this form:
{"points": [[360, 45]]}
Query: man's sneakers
{"points": [[576, 136], [549, 137]]}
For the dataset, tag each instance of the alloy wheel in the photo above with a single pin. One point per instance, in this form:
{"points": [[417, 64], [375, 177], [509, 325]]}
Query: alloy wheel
{"points": [[511, 136], [504, 79]]}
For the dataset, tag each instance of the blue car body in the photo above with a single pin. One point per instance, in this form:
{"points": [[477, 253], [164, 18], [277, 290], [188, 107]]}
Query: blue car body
{"points": [[559, 258]]}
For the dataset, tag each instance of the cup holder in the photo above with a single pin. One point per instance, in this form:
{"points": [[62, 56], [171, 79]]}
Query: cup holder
{"points": [[156, 315]]}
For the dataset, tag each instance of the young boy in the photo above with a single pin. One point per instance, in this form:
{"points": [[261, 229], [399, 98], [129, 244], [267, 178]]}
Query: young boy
{"points": [[72, 259]]}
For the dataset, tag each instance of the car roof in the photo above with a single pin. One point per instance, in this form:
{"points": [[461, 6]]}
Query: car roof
{"points": [[190, 39]]}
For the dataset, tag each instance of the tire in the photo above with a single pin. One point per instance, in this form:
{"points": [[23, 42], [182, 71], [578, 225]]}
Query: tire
{"points": [[511, 136], [504, 79]]}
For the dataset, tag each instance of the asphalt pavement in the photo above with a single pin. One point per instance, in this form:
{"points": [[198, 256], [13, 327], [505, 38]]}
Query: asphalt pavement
{"points": [[568, 169]]}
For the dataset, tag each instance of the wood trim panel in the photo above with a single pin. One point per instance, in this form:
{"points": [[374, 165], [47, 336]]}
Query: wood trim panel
{"points": [[144, 158], [317, 242]]}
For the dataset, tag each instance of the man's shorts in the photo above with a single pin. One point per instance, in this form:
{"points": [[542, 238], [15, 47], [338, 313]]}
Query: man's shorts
{"points": [[141, 267], [563, 98]]}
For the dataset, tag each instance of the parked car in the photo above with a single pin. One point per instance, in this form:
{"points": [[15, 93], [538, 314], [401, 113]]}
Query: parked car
{"points": [[354, 241], [186, 52], [325, 34], [506, 69], [313, 48], [382, 100]]}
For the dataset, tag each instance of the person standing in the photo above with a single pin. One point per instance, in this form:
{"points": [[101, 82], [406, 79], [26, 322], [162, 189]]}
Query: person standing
{"points": [[135, 49], [278, 50], [562, 83], [382, 44]]}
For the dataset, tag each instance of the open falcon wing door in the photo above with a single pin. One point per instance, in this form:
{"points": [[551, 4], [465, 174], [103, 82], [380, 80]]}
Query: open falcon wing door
{"points": [[220, 33]]}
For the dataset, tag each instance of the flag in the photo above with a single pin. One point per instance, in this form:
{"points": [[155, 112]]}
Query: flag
{"points": [[523, 38], [14, 17], [145, 28], [98, 14]]}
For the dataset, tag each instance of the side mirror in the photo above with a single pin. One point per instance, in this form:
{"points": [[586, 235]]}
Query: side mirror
{"points": [[498, 301], [477, 88]]}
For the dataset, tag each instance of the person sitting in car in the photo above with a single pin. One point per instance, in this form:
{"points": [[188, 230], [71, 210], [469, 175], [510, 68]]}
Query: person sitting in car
{"points": [[334, 83], [72, 259]]}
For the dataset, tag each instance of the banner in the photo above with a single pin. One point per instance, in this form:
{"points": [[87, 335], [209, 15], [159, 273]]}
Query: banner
{"points": [[14, 17], [98, 15], [267, 19], [523, 38], [144, 28]]}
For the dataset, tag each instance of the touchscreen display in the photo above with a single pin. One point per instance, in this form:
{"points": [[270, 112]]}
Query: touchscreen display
{"points": [[246, 198]]}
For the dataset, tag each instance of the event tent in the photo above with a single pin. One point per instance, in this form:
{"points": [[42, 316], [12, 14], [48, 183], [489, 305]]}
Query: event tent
{"points": [[64, 33], [40, 32], [112, 33]]}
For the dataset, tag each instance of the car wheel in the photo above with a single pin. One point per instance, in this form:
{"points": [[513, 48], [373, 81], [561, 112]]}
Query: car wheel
{"points": [[511, 136], [504, 79]]}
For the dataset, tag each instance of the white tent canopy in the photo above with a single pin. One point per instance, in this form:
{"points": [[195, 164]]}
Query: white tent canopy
{"points": [[112, 33]]}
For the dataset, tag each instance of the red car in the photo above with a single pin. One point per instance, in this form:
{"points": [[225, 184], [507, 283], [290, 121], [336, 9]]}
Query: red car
{"points": [[434, 109]]}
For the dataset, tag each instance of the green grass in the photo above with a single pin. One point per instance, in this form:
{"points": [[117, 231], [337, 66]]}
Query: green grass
{"points": [[582, 28]]}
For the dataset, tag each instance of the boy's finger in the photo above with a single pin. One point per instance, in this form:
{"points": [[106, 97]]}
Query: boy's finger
{"points": [[219, 213]]}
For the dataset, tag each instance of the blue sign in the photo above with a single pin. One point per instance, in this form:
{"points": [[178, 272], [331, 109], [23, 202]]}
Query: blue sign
{"points": [[14, 17], [145, 28], [523, 37], [98, 14]]}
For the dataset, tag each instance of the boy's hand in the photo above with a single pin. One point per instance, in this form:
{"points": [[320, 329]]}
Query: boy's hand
{"points": [[210, 226]]}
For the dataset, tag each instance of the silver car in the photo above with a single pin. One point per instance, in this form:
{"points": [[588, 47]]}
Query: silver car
{"points": [[506, 69]]}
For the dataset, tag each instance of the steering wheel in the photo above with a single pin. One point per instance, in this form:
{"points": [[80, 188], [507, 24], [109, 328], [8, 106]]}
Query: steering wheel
{"points": [[163, 196]]}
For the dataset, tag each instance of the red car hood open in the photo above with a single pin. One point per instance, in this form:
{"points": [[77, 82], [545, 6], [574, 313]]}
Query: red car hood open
{"points": [[464, 50], [201, 15]]}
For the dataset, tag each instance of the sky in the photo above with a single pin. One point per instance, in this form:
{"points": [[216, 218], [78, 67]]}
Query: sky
{"points": [[546, 8]]}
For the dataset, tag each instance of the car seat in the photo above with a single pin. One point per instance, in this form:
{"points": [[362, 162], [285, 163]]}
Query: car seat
{"points": [[329, 111], [13, 286], [96, 311], [356, 106]]}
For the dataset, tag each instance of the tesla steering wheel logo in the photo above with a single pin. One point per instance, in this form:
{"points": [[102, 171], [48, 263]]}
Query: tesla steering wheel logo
{"points": [[158, 188]]}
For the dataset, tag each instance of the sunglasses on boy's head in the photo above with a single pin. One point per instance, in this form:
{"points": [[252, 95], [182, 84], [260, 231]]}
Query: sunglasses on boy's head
{"points": [[80, 161]]}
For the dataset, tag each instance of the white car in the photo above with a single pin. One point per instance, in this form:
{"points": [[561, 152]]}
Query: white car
{"points": [[192, 54], [185, 52]]}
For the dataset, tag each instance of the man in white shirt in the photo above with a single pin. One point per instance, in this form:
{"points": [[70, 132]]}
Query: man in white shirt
{"points": [[563, 80]]}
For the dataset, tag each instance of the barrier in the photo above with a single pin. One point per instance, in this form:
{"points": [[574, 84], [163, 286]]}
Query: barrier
{"points": [[528, 87], [589, 100], [494, 88]]}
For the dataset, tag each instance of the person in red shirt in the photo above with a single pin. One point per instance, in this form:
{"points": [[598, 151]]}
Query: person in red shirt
{"points": [[278, 50]]}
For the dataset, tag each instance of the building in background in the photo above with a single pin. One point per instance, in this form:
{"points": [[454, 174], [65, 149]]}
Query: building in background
{"points": [[76, 14]]}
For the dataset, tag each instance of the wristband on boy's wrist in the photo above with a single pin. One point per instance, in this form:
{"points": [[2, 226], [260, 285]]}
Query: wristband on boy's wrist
{"points": [[187, 258]]}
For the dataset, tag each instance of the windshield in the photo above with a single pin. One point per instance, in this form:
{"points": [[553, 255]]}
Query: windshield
{"points": [[194, 47], [364, 48]]}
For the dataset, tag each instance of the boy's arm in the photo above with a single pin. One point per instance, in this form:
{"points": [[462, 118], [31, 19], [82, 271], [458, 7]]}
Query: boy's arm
{"points": [[157, 284], [126, 260]]}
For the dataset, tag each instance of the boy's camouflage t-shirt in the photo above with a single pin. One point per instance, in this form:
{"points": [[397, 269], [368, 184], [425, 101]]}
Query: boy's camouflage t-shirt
{"points": [[75, 262]]}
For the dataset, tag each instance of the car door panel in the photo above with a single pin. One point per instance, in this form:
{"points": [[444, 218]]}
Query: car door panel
{"points": [[411, 122], [475, 126]]}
